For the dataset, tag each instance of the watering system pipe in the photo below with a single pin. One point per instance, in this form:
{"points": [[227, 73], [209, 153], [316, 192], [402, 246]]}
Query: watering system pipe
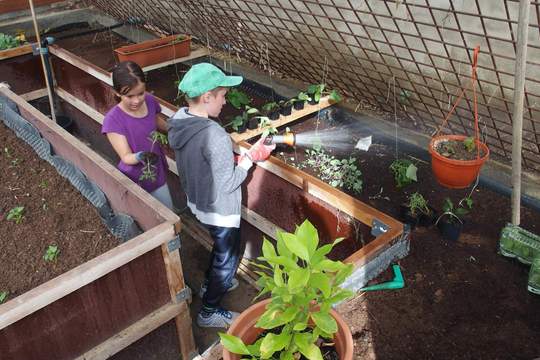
{"points": [[43, 62], [288, 138]]}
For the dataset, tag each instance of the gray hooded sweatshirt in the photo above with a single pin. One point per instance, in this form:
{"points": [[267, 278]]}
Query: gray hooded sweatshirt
{"points": [[208, 175]]}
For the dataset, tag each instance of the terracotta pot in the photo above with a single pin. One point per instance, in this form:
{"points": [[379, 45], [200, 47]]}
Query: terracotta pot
{"points": [[455, 174], [244, 328], [155, 51]]}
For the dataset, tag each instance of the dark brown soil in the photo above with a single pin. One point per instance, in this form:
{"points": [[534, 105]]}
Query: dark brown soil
{"points": [[54, 213], [457, 150]]}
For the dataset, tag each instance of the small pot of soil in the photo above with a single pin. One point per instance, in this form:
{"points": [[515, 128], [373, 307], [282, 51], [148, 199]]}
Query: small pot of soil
{"points": [[244, 328], [299, 105], [286, 110], [242, 128], [312, 102], [274, 114], [456, 160], [253, 123], [406, 216], [427, 220], [156, 51], [450, 230]]}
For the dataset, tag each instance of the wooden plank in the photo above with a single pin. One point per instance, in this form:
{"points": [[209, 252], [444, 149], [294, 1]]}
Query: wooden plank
{"points": [[16, 5], [84, 274], [33, 95], [372, 249], [193, 55], [214, 352], [81, 105], [283, 120], [14, 52], [133, 333], [123, 194], [82, 64]]}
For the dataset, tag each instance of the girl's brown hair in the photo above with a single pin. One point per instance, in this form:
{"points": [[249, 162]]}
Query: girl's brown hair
{"points": [[125, 76]]}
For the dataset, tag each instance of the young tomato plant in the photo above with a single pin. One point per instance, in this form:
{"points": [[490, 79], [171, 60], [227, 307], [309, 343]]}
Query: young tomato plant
{"points": [[237, 98], [469, 144], [51, 254], [418, 204], [16, 214], [304, 284], [404, 172]]}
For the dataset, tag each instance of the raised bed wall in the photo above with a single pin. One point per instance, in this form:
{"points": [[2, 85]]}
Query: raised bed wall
{"points": [[276, 196], [105, 304]]}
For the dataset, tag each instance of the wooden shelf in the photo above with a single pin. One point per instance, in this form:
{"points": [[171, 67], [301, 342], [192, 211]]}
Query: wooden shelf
{"points": [[283, 120], [14, 52]]}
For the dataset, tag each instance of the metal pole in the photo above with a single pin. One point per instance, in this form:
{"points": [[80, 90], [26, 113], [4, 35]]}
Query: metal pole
{"points": [[49, 86], [517, 118]]}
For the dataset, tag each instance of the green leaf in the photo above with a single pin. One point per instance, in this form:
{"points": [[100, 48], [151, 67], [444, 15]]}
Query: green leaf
{"points": [[339, 296], [343, 274], [329, 265], [268, 249], [3, 296], [325, 322], [233, 344], [334, 96], [411, 172], [308, 349], [281, 247], [307, 234], [321, 282], [255, 349], [296, 246], [273, 343], [320, 253], [278, 277], [287, 263], [300, 326], [298, 279]]}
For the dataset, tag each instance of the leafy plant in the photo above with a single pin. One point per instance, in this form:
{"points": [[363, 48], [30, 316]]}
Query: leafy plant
{"points": [[270, 106], [456, 213], [469, 144], [304, 284], [148, 172], [404, 172], [8, 41], [335, 96], [315, 91], [51, 254], [156, 136], [302, 96], [43, 184], [3, 296], [16, 214], [338, 173], [237, 98], [417, 203]]}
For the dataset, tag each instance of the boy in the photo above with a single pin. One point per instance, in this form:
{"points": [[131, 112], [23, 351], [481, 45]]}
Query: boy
{"points": [[211, 181]]}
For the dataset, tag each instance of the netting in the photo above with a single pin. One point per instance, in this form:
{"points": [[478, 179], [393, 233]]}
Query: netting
{"points": [[411, 55]]}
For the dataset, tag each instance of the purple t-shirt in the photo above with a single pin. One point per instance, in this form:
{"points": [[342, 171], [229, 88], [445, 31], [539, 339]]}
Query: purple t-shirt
{"points": [[138, 134]]}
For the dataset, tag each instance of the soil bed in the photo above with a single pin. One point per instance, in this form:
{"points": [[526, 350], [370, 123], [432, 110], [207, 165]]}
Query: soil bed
{"points": [[54, 213], [456, 150]]}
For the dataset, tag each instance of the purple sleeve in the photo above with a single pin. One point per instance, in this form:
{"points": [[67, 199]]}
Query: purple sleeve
{"points": [[112, 124]]}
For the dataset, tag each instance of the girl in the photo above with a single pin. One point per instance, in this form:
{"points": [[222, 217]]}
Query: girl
{"points": [[131, 127]]}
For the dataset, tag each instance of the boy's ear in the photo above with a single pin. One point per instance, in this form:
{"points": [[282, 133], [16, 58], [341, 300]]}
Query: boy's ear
{"points": [[206, 96]]}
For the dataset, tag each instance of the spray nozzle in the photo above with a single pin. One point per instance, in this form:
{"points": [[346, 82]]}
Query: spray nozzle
{"points": [[288, 138]]}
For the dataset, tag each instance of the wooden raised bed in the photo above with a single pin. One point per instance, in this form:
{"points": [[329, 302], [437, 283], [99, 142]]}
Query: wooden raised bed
{"points": [[107, 303], [87, 89]]}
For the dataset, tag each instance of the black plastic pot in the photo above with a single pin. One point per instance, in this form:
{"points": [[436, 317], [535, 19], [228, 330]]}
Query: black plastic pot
{"points": [[449, 230], [428, 220], [313, 102], [253, 123], [274, 114], [242, 128], [286, 110], [299, 105]]}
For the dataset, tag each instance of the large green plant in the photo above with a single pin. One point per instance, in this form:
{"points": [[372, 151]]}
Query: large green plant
{"points": [[304, 284], [8, 41]]}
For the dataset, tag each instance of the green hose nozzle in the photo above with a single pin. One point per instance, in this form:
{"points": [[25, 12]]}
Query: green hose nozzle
{"points": [[396, 283]]}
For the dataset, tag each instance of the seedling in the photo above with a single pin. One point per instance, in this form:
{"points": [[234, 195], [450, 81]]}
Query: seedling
{"points": [[16, 214], [237, 98], [469, 144], [456, 213], [156, 136], [149, 172], [315, 91], [8, 41], [270, 106], [51, 254], [3, 296], [418, 204], [404, 172], [44, 184]]}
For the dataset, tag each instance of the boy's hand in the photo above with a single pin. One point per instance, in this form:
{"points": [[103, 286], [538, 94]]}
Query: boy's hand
{"points": [[259, 151], [146, 157]]}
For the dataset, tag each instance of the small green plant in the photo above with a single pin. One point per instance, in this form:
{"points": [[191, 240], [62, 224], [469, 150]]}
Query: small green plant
{"points": [[404, 172], [315, 91], [237, 98], [156, 136], [44, 184], [302, 96], [304, 284], [8, 41], [148, 172], [456, 213], [16, 214], [3, 296], [469, 144], [51, 253], [418, 204], [270, 106], [338, 173]]}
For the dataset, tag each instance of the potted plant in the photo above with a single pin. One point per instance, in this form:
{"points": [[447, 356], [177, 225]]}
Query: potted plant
{"points": [[271, 110], [404, 172], [237, 98], [252, 116], [9, 42], [298, 319], [286, 106], [317, 91], [300, 100], [156, 51], [417, 211], [450, 222]]}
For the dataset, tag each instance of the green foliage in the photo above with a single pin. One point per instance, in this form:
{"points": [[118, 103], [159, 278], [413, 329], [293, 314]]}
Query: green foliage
{"points": [[417, 203], [156, 136], [404, 172], [315, 91], [44, 184], [338, 173], [304, 284], [3, 296], [404, 96], [302, 96], [469, 144], [16, 214], [8, 41], [456, 213], [334, 96], [148, 172], [237, 98], [270, 106], [51, 254]]}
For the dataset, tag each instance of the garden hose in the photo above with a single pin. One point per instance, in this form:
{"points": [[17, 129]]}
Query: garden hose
{"points": [[396, 283]]}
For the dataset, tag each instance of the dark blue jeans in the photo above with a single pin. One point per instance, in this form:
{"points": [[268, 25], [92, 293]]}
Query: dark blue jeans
{"points": [[223, 263]]}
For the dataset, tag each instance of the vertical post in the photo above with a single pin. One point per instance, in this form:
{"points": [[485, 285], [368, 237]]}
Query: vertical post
{"points": [[38, 38], [517, 117]]}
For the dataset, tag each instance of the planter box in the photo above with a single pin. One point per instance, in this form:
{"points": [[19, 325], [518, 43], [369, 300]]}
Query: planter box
{"points": [[105, 304], [153, 52]]}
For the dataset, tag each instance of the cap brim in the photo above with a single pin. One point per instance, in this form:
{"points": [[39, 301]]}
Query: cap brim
{"points": [[231, 81]]}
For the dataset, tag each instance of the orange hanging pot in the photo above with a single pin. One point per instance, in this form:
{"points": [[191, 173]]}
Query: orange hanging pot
{"points": [[454, 173]]}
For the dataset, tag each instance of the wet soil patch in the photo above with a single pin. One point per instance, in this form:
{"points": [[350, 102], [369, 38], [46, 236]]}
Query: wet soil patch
{"points": [[55, 213], [457, 150]]}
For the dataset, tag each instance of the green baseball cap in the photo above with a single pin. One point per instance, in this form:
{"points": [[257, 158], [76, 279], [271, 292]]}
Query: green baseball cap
{"points": [[204, 77]]}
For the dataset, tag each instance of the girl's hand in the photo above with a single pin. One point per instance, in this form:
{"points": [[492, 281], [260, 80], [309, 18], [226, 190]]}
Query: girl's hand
{"points": [[146, 157]]}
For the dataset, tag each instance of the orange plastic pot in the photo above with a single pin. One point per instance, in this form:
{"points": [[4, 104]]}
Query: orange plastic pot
{"points": [[155, 51], [451, 173], [244, 328]]}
